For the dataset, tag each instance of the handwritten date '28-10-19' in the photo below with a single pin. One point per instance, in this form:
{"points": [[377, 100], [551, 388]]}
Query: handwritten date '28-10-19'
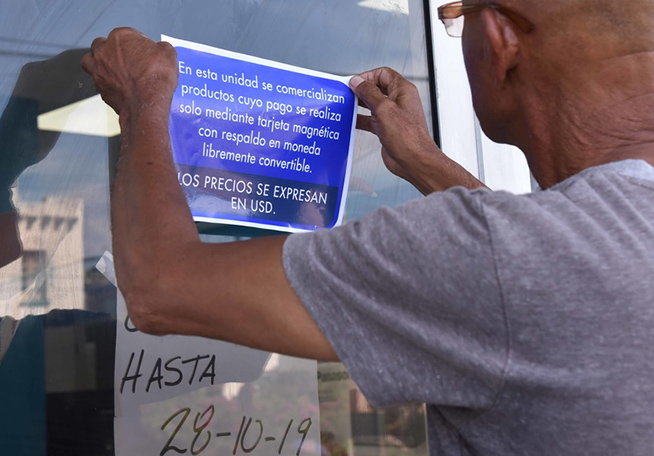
{"points": [[250, 434]]}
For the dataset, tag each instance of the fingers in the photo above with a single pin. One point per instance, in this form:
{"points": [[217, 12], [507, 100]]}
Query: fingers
{"points": [[365, 123], [387, 79], [127, 31], [88, 63], [119, 33], [372, 87], [88, 60], [99, 41], [168, 48], [367, 92]]}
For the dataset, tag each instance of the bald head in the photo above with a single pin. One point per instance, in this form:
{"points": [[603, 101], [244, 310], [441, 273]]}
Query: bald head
{"points": [[576, 41], [625, 26], [575, 92]]}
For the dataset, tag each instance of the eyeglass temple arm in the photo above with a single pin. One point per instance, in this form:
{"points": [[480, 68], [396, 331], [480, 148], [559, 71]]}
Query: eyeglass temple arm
{"points": [[453, 11]]}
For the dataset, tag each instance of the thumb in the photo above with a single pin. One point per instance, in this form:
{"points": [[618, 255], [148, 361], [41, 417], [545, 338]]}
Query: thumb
{"points": [[367, 92]]}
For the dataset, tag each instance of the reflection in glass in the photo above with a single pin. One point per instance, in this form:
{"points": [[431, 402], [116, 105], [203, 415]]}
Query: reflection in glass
{"points": [[33, 261], [56, 376], [350, 425]]}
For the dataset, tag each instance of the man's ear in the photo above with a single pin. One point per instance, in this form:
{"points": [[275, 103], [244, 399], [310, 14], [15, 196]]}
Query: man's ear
{"points": [[503, 43]]}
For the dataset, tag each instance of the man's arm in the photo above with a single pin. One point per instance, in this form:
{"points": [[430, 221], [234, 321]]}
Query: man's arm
{"points": [[10, 246], [172, 282], [397, 118]]}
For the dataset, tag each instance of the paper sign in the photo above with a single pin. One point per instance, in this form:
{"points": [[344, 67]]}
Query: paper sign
{"points": [[190, 395], [259, 143]]}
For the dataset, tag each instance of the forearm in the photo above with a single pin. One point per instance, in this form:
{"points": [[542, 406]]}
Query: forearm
{"points": [[240, 294], [148, 207], [433, 171]]}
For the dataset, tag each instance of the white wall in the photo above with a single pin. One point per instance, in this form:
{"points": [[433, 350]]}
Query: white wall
{"points": [[501, 167]]}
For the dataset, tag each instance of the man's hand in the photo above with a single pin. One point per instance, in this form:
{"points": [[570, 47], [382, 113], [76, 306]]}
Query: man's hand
{"points": [[399, 121], [397, 118], [131, 71]]}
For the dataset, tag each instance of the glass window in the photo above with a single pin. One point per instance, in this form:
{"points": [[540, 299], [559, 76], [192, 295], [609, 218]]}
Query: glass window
{"points": [[58, 327]]}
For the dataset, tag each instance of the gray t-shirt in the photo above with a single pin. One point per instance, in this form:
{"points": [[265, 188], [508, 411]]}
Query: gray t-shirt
{"points": [[526, 323]]}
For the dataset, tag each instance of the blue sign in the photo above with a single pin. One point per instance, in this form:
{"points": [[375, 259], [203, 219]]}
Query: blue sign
{"points": [[259, 143]]}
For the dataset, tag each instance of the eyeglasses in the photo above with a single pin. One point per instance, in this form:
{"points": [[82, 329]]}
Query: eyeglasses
{"points": [[452, 15]]}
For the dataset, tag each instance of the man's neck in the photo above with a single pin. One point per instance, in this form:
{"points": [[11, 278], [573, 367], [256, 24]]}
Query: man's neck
{"points": [[606, 119]]}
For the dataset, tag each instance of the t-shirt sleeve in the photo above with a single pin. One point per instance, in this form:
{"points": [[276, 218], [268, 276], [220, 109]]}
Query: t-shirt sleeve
{"points": [[409, 299]]}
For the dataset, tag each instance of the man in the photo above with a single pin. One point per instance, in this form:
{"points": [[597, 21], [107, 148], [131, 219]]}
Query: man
{"points": [[22, 144], [524, 322]]}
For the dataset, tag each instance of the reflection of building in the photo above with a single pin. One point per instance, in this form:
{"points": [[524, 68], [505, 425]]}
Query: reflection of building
{"points": [[50, 272], [351, 426]]}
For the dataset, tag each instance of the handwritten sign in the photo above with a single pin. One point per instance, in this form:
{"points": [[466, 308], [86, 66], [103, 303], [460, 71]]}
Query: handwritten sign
{"points": [[179, 394], [150, 369], [260, 143], [251, 434]]}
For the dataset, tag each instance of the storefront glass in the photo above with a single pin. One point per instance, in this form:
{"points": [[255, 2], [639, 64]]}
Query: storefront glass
{"points": [[57, 334]]}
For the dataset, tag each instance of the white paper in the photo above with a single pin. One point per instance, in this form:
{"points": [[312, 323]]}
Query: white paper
{"points": [[192, 395]]}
